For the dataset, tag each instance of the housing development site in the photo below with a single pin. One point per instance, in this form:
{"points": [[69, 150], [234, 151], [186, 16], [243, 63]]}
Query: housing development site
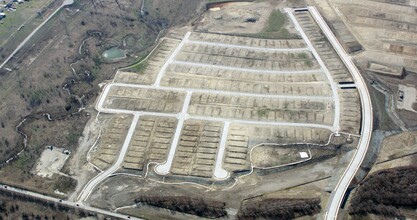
{"points": [[208, 108]]}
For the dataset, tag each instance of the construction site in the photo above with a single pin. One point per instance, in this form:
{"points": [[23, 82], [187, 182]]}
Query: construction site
{"points": [[197, 109], [213, 114]]}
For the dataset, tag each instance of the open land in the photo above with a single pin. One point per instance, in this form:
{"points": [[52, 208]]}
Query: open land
{"points": [[244, 105], [380, 36], [21, 22], [207, 106]]}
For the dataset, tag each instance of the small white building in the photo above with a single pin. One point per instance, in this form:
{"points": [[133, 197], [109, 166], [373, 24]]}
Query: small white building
{"points": [[303, 154]]}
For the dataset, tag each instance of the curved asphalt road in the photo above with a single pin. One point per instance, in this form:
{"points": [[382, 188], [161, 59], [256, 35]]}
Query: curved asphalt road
{"points": [[367, 118], [88, 188]]}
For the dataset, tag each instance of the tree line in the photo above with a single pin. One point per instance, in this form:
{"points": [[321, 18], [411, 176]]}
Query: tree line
{"points": [[279, 208], [384, 192], [194, 206], [48, 204]]}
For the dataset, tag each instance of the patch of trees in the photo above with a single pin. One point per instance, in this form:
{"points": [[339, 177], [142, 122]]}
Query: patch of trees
{"points": [[194, 206], [281, 208], [65, 184], [55, 206], [121, 17], [384, 192]]}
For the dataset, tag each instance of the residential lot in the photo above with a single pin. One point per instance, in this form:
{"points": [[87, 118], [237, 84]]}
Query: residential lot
{"points": [[215, 115], [151, 142], [205, 100]]}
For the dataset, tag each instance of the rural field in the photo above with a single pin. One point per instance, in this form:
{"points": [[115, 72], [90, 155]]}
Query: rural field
{"points": [[21, 22], [47, 96]]}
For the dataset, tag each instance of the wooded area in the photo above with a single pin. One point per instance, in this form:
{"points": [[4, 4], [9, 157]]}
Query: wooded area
{"points": [[20, 206], [279, 208], [384, 192], [194, 206]]}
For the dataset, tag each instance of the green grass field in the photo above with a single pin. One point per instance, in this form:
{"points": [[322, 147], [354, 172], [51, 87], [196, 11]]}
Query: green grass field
{"points": [[276, 22], [25, 14], [275, 27]]}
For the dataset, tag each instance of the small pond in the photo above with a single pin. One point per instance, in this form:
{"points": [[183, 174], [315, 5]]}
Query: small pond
{"points": [[114, 54]]}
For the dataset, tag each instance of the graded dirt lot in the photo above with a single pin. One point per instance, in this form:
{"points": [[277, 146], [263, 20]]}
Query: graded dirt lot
{"points": [[144, 99], [184, 119], [152, 139], [51, 162], [407, 96], [264, 156], [380, 35], [386, 29], [236, 17], [211, 81], [398, 146], [215, 115], [113, 133]]}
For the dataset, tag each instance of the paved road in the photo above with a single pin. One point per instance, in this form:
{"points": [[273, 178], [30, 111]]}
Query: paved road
{"points": [[222, 92], [171, 59], [100, 107], [66, 203], [266, 123], [182, 116], [65, 3], [219, 172], [287, 72], [367, 118], [164, 168], [267, 49], [333, 85], [88, 188]]}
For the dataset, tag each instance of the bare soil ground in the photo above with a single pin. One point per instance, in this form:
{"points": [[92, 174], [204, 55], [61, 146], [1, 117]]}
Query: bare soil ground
{"points": [[386, 30], [194, 67], [239, 17], [269, 156], [51, 162], [408, 99], [398, 146], [248, 187], [259, 19], [104, 24], [112, 134]]}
